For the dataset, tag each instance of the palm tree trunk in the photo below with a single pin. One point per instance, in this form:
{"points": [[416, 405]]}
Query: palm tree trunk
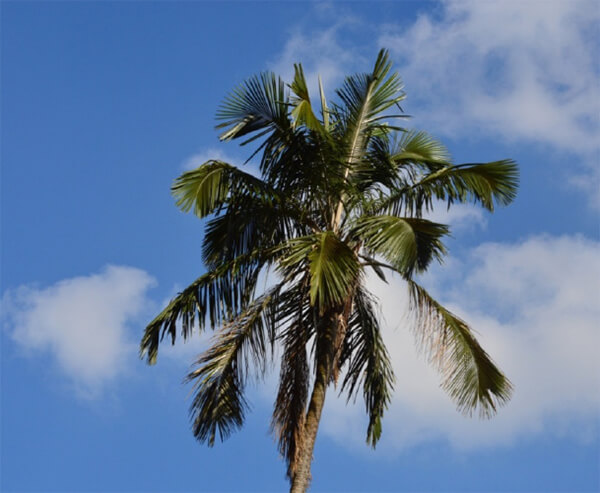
{"points": [[302, 477], [332, 323]]}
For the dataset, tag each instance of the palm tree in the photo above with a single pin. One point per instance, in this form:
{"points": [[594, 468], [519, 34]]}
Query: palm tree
{"points": [[340, 194]]}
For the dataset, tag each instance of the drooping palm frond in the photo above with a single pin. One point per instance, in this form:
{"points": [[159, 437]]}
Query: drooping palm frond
{"points": [[214, 297], [485, 183], [409, 244], [369, 363], [219, 403], [251, 225], [469, 375], [292, 397]]}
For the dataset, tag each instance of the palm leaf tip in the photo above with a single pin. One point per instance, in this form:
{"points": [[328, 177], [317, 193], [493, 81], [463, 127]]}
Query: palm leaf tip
{"points": [[149, 344], [218, 406], [259, 104], [490, 183], [469, 376], [202, 189]]}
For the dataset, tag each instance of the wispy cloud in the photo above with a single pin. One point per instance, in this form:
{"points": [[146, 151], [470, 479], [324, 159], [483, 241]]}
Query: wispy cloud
{"points": [[321, 52], [525, 71], [83, 323], [461, 217], [536, 308]]}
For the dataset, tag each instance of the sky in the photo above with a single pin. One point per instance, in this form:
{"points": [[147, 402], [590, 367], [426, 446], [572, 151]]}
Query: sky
{"points": [[104, 104]]}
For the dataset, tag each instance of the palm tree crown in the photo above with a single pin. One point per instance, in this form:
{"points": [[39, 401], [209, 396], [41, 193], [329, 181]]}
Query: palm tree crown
{"points": [[341, 192]]}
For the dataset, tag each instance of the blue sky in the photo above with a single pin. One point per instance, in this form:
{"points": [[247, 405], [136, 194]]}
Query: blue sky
{"points": [[105, 103]]}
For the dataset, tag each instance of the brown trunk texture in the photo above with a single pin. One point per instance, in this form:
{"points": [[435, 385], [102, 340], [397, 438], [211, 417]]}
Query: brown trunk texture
{"points": [[302, 477]]}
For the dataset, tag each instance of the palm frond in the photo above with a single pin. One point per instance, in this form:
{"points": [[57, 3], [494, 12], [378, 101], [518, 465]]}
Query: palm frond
{"points": [[409, 244], [333, 270], [213, 297], [369, 364], [484, 183], [469, 375], [364, 97], [219, 404], [292, 397], [250, 225], [421, 149]]}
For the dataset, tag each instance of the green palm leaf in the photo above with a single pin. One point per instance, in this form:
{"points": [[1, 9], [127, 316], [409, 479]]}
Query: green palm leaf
{"points": [[333, 267], [219, 404], [369, 363], [258, 105], [484, 183], [207, 188], [302, 112], [469, 375], [421, 149], [409, 244]]}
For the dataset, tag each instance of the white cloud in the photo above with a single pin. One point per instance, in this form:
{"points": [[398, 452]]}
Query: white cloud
{"points": [[217, 154], [321, 53], [201, 157], [536, 308], [526, 71], [83, 322], [462, 217]]}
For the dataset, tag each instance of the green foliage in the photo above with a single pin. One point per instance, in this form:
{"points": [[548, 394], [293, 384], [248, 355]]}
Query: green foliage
{"points": [[369, 364], [341, 190], [469, 375], [408, 244]]}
